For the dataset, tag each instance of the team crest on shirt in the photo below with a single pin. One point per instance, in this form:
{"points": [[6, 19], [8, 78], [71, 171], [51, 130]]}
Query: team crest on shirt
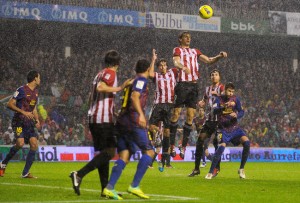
{"points": [[16, 94], [107, 76], [140, 84]]}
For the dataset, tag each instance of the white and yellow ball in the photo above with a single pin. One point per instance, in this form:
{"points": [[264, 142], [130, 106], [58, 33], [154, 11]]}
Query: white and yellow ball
{"points": [[206, 12]]}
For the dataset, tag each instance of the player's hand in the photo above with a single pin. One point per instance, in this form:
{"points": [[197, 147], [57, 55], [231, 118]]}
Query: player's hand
{"points": [[142, 121], [28, 115], [154, 55], [223, 54], [234, 115], [214, 92], [201, 104], [126, 83], [186, 70]]}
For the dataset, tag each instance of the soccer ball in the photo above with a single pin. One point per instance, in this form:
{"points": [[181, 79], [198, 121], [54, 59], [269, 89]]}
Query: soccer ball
{"points": [[206, 12]]}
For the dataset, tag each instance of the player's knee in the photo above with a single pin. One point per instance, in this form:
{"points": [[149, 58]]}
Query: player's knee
{"points": [[175, 115], [150, 153], [20, 144]]}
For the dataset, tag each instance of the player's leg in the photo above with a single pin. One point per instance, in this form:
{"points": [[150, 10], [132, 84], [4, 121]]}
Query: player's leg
{"points": [[30, 157], [205, 148], [153, 129], [13, 150], [216, 159], [173, 129], [199, 152], [246, 150], [165, 148], [144, 144]]}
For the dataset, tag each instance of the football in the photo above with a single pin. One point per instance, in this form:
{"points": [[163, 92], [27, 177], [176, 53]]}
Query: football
{"points": [[206, 12]]}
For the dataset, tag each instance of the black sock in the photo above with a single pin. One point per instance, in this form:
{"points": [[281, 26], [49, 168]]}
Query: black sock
{"points": [[187, 128], [168, 160], [173, 131], [103, 172], [13, 150], [97, 162], [166, 144], [198, 153], [245, 153]]}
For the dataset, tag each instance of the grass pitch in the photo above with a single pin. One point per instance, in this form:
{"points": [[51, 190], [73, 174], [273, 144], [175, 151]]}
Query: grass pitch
{"points": [[266, 182]]}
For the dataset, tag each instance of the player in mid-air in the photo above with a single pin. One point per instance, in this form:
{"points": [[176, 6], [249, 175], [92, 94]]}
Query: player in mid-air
{"points": [[186, 90], [229, 109], [132, 132], [101, 120], [25, 119], [165, 81], [210, 126]]}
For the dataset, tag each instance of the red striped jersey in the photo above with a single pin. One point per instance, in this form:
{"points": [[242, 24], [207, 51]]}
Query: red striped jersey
{"points": [[101, 103], [188, 58], [164, 86], [210, 98]]}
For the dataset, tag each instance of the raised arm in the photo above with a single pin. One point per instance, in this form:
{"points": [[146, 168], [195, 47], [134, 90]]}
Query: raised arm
{"points": [[152, 65], [211, 60]]}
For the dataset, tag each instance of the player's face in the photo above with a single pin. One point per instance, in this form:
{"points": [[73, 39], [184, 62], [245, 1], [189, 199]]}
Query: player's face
{"points": [[38, 80], [185, 40], [201, 112], [215, 77], [163, 67], [229, 92]]}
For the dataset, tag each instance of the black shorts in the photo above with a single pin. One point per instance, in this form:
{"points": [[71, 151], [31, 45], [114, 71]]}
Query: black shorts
{"points": [[161, 112], [209, 128], [103, 135], [186, 95]]}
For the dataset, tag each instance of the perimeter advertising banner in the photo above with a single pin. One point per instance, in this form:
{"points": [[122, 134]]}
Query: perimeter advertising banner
{"points": [[284, 23], [231, 154], [230, 25]]}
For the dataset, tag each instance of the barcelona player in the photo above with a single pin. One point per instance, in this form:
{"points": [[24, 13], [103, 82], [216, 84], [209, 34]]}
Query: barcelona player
{"points": [[132, 132], [24, 121], [229, 109]]}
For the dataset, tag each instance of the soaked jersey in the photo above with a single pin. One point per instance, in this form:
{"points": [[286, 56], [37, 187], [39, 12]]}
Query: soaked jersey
{"points": [[188, 58], [165, 84], [26, 99], [129, 116], [226, 121], [102, 103], [210, 98]]}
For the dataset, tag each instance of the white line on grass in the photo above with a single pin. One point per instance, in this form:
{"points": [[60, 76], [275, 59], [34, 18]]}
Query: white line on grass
{"points": [[174, 198]]}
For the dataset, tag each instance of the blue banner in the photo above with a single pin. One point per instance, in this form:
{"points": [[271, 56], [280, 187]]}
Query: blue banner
{"points": [[74, 14]]}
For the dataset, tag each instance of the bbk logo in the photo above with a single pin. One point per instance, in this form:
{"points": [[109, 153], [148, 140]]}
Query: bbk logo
{"points": [[242, 27]]}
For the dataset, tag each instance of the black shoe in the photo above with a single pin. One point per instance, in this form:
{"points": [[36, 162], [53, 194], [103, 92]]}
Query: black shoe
{"points": [[194, 173], [173, 152], [182, 152], [76, 181]]}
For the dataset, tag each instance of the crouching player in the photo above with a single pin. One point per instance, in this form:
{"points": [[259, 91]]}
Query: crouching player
{"points": [[229, 109]]}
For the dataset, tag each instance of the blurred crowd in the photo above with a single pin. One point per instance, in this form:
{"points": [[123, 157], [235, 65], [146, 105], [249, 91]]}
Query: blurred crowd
{"points": [[251, 9]]}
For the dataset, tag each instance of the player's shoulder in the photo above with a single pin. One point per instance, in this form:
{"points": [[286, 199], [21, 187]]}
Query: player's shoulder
{"points": [[140, 83]]}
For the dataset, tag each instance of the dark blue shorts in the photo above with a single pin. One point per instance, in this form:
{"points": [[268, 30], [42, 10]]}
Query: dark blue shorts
{"points": [[24, 130], [132, 140], [232, 136]]}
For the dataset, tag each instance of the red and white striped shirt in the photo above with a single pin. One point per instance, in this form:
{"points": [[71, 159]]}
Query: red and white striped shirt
{"points": [[210, 98], [102, 103], [188, 58], [165, 84]]}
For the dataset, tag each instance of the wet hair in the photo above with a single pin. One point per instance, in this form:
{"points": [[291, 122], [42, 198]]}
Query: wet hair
{"points": [[142, 66], [215, 71], [112, 58], [229, 85], [31, 75], [183, 33], [161, 60]]}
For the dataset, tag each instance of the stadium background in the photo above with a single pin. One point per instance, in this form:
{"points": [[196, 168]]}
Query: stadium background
{"points": [[67, 46]]}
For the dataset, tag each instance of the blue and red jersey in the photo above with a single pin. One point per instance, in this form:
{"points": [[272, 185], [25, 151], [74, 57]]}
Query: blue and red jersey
{"points": [[130, 117], [26, 99], [226, 121]]}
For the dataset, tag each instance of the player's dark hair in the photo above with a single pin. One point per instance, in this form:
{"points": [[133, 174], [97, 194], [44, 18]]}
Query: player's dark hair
{"points": [[161, 60], [112, 58], [215, 71], [142, 66], [31, 75], [183, 33], [229, 85]]}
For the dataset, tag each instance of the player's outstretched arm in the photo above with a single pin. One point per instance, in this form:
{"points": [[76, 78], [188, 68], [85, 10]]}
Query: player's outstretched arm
{"points": [[103, 87], [211, 60], [151, 69]]}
